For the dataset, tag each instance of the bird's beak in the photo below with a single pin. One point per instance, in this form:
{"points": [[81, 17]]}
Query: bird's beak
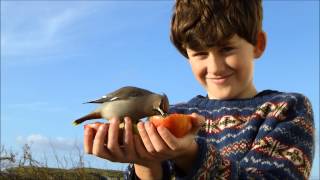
{"points": [[161, 111], [164, 105]]}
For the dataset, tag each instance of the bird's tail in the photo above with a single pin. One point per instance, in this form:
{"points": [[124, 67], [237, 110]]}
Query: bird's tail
{"points": [[93, 115]]}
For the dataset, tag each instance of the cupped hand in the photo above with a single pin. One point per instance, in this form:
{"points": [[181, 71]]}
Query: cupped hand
{"points": [[162, 144], [101, 140]]}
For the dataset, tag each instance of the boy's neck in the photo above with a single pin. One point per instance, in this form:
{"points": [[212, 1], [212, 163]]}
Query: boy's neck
{"points": [[250, 93]]}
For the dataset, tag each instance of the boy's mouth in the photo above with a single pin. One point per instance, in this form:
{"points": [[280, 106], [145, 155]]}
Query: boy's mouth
{"points": [[219, 80]]}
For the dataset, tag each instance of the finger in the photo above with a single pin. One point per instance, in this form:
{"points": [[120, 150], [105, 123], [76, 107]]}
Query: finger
{"points": [[94, 126], [127, 131], [98, 148], [156, 140], [142, 153], [88, 139], [128, 139], [168, 138], [145, 138], [200, 119], [113, 140], [197, 123]]}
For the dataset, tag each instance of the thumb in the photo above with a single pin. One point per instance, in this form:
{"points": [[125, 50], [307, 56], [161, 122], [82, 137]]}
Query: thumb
{"points": [[197, 122]]}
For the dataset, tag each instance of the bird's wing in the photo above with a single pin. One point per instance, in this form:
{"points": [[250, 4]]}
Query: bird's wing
{"points": [[129, 91], [103, 99], [122, 93]]}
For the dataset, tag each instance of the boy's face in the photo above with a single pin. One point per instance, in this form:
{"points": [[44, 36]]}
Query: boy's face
{"points": [[226, 72]]}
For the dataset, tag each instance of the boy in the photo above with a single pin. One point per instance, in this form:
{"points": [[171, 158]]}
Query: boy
{"points": [[246, 134]]}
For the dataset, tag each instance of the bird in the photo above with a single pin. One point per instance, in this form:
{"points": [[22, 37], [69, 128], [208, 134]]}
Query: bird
{"points": [[134, 102]]}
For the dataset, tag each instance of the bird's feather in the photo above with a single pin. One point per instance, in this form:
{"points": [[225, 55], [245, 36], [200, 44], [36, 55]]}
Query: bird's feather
{"points": [[121, 94], [93, 115]]}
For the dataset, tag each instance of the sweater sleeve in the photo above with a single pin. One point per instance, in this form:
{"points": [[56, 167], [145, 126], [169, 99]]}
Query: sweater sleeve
{"points": [[283, 147], [130, 174]]}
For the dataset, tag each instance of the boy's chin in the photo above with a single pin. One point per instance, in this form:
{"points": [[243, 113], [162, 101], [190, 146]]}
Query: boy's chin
{"points": [[217, 96], [229, 94], [221, 94]]}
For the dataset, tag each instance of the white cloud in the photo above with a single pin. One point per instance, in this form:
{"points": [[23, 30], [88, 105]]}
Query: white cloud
{"points": [[30, 29], [41, 142], [58, 22]]}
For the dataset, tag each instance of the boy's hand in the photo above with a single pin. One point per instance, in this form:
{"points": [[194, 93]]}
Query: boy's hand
{"points": [[164, 145], [102, 140], [147, 150]]}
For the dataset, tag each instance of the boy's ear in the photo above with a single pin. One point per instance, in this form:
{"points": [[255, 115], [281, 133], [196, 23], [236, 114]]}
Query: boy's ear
{"points": [[261, 44]]}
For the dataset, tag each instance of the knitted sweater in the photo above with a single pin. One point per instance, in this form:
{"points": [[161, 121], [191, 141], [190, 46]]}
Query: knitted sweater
{"points": [[269, 136]]}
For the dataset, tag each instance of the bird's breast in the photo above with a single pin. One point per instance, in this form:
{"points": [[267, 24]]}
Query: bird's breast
{"points": [[122, 108]]}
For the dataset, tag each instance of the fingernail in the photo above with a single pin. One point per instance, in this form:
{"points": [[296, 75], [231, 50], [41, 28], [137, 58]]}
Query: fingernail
{"points": [[149, 125], [102, 126], [113, 120], [97, 123], [140, 125], [160, 128], [128, 120]]}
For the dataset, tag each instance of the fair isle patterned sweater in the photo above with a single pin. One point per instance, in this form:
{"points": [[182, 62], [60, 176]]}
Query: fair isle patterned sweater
{"points": [[270, 136]]}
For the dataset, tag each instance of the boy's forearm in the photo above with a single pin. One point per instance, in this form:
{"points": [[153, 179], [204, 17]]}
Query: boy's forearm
{"points": [[148, 172], [155, 171], [186, 161]]}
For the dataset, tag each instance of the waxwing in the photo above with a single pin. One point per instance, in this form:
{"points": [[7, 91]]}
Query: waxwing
{"points": [[133, 102]]}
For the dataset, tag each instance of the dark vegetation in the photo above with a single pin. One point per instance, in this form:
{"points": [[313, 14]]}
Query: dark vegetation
{"points": [[24, 166]]}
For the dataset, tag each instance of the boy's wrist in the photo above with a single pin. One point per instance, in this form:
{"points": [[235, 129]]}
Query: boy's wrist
{"points": [[149, 172], [185, 161]]}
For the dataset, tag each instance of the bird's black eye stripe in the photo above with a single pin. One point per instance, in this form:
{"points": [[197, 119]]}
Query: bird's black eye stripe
{"points": [[162, 105]]}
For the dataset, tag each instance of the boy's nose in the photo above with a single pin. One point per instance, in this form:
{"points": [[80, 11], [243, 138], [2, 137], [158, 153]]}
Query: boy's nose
{"points": [[215, 64]]}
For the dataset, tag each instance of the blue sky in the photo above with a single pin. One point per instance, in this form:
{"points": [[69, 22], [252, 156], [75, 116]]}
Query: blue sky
{"points": [[55, 55]]}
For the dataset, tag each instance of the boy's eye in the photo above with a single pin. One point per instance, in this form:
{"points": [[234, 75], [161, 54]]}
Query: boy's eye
{"points": [[226, 49], [200, 54]]}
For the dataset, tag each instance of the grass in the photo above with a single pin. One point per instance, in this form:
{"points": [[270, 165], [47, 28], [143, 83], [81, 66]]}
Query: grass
{"points": [[27, 172], [26, 167]]}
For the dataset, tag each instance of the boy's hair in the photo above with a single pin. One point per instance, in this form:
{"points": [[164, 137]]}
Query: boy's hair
{"points": [[202, 24]]}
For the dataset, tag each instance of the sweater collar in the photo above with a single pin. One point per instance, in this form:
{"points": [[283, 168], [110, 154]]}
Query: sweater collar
{"points": [[204, 101]]}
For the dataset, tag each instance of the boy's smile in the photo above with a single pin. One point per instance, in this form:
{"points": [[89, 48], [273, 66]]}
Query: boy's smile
{"points": [[226, 71], [219, 80]]}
